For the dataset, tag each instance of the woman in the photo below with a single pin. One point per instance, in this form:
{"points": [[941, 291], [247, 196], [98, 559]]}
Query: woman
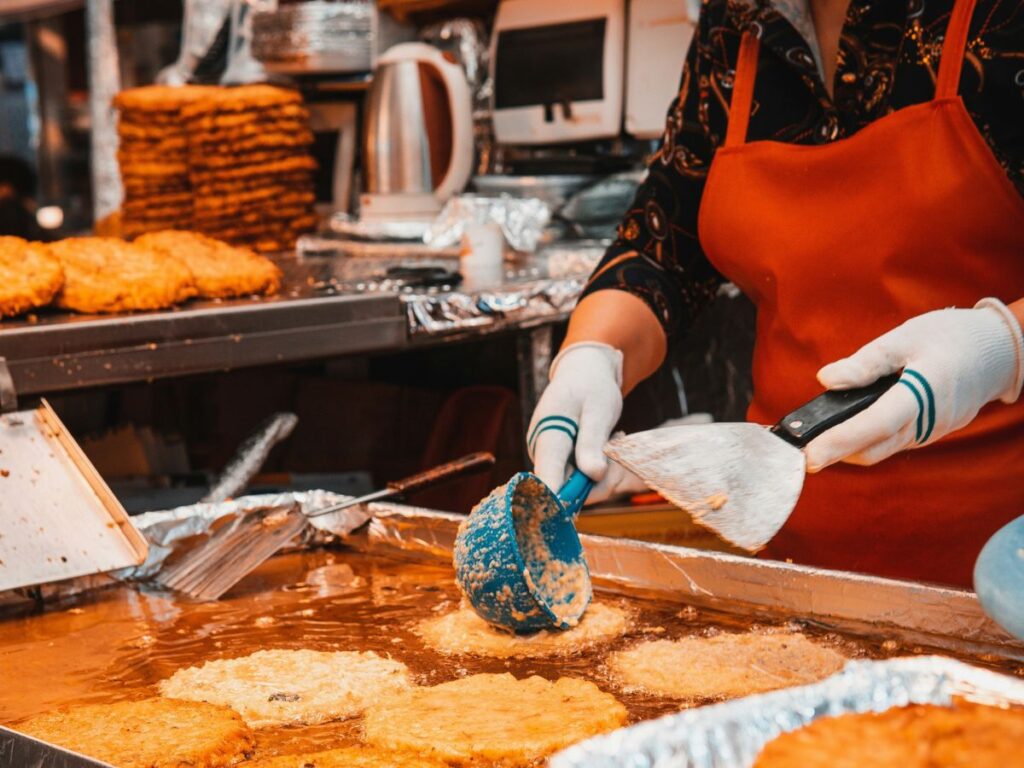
{"points": [[857, 168]]}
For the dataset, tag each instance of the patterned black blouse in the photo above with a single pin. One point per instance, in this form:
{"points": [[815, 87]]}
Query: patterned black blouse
{"points": [[888, 59]]}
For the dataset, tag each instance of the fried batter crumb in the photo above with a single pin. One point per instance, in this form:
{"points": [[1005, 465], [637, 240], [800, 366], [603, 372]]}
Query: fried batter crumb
{"points": [[920, 736], [220, 270], [29, 276], [493, 717], [105, 274], [723, 666], [151, 733], [463, 632], [275, 687]]}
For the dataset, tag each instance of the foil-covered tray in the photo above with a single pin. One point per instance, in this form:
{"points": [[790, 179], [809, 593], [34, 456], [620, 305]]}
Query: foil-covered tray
{"points": [[731, 735]]}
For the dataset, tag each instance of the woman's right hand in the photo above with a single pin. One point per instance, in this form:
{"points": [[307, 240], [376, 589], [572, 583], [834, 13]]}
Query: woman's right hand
{"points": [[576, 413]]}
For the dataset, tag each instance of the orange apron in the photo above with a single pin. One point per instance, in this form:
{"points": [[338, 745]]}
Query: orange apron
{"points": [[839, 243]]}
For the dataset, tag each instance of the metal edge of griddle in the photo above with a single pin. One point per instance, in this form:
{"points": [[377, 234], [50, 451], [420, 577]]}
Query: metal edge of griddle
{"points": [[914, 613], [72, 352], [18, 750]]}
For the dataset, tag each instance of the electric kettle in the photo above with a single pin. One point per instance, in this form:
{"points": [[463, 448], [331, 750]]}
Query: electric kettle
{"points": [[418, 140]]}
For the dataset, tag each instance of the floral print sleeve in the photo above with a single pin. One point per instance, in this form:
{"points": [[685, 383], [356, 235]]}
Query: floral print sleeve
{"points": [[656, 255]]}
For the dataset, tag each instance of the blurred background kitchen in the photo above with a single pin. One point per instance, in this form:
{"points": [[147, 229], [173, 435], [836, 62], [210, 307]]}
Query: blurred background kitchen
{"points": [[525, 118]]}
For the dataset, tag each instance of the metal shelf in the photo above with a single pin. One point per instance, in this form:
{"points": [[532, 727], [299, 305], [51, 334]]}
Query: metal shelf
{"points": [[62, 352]]}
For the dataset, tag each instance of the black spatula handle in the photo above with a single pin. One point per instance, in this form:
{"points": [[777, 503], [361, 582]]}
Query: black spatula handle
{"points": [[829, 409]]}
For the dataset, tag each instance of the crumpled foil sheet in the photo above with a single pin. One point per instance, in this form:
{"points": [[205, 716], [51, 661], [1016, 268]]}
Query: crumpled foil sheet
{"points": [[453, 311], [522, 220], [335, 36], [731, 735], [169, 531]]}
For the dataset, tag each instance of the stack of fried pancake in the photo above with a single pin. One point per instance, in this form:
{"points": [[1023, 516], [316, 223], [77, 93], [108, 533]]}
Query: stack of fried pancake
{"points": [[250, 166], [153, 155]]}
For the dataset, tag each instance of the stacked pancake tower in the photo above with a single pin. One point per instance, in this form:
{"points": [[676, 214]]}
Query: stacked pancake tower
{"points": [[153, 154], [231, 163], [250, 167]]}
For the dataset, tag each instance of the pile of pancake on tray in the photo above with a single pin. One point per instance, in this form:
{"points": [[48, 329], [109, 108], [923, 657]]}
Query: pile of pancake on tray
{"points": [[232, 163], [107, 274]]}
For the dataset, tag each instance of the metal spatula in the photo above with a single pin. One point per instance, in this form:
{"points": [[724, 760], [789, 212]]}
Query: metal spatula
{"points": [[235, 550], [741, 480]]}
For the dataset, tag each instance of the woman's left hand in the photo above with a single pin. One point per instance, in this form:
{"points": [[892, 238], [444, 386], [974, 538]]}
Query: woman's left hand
{"points": [[954, 362]]}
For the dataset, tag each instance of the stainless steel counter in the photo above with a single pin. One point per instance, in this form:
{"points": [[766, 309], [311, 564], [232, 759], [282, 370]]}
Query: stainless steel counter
{"points": [[330, 306]]}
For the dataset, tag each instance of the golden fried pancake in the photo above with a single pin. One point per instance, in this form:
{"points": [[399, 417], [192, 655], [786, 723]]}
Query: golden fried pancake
{"points": [[350, 757], [492, 717], [220, 270], [723, 666], [463, 632], [104, 274], [244, 98], [29, 276], [151, 733], [291, 687], [921, 736], [161, 98], [288, 165], [217, 122]]}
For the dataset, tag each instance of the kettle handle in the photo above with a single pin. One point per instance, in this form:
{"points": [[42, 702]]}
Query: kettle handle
{"points": [[459, 98]]}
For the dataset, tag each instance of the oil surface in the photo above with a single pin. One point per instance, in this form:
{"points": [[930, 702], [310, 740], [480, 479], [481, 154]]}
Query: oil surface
{"points": [[118, 643]]}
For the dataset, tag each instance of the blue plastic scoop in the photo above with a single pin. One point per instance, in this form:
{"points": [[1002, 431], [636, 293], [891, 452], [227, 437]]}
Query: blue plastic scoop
{"points": [[518, 558], [999, 577]]}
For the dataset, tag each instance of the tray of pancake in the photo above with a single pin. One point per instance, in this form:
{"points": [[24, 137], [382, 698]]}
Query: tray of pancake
{"points": [[356, 650]]}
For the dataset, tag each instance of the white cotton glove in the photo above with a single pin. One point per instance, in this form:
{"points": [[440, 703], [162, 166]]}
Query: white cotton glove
{"points": [[954, 362], [580, 407]]}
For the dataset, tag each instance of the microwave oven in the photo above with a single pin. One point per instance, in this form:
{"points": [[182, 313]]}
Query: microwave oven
{"points": [[577, 70]]}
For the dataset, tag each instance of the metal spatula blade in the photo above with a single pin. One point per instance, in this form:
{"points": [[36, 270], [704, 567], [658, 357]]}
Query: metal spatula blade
{"points": [[232, 552], [739, 480], [235, 550]]}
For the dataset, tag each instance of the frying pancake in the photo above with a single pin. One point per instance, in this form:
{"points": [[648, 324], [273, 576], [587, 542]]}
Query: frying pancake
{"points": [[921, 736], [29, 276], [220, 270], [350, 757], [492, 717], [104, 274], [291, 687], [463, 632], [723, 666], [151, 733]]}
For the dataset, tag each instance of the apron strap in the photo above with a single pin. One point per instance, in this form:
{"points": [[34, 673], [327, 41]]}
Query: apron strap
{"points": [[953, 49], [742, 90]]}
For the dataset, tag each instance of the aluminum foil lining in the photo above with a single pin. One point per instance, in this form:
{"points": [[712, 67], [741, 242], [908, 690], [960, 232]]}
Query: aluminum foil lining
{"points": [[522, 220], [731, 735], [331, 36], [173, 531], [467, 40]]}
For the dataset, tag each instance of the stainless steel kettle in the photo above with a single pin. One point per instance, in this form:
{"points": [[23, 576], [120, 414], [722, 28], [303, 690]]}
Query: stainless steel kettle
{"points": [[418, 140]]}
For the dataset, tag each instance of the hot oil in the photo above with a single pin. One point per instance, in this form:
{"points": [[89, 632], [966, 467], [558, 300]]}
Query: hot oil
{"points": [[117, 644]]}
